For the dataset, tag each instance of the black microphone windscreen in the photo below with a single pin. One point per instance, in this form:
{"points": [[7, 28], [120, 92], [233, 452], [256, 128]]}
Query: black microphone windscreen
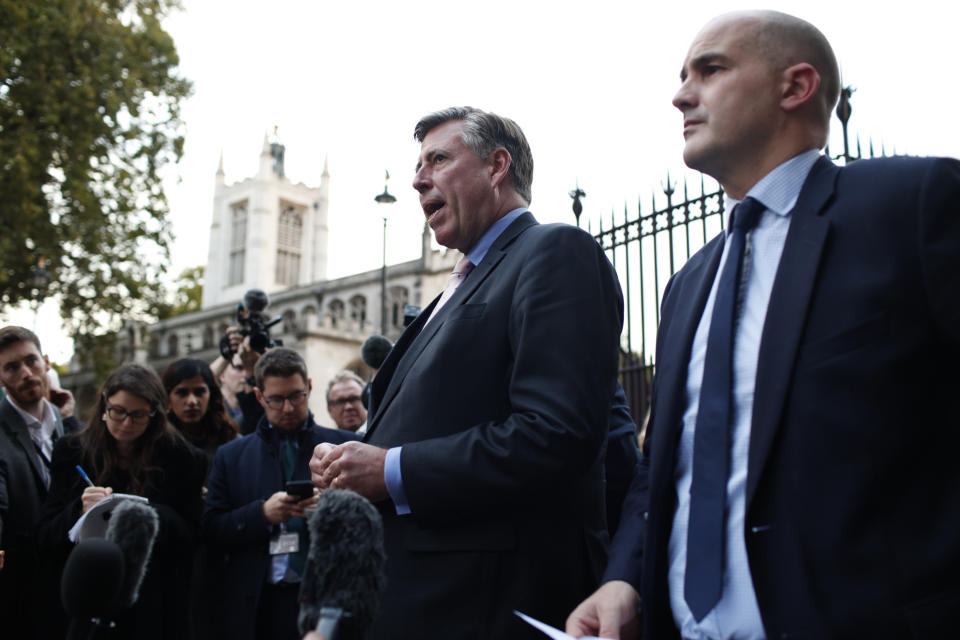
{"points": [[344, 567], [92, 579], [133, 526], [374, 351]]}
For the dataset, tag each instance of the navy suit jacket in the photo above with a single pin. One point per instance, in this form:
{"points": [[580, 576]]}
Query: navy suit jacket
{"points": [[247, 471], [501, 406], [852, 500]]}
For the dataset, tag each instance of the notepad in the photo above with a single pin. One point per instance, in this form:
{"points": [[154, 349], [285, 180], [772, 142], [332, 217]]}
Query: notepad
{"points": [[93, 524]]}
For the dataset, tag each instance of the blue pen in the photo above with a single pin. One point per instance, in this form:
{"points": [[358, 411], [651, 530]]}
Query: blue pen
{"points": [[85, 477]]}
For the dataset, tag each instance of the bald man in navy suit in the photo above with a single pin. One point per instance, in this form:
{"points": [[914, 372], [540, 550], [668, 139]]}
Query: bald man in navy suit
{"points": [[825, 376]]}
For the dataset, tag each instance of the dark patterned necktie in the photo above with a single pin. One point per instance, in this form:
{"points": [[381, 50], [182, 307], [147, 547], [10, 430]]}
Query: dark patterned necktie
{"points": [[703, 582]]}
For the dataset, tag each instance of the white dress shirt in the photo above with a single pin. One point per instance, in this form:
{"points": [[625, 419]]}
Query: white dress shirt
{"points": [[736, 615]]}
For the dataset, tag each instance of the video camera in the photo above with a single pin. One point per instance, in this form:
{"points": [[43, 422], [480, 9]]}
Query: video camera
{"points": [[255, 323]]}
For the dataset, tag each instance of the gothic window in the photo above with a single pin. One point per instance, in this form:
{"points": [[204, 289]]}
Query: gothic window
{"points": [[289, 232], [208, 337], [336, 312], [173, 345], [238, 243], [358, 311], [398, 298], [289, 321]]}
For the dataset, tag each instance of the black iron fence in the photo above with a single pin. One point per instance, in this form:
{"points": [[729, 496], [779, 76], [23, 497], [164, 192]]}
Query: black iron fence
{"points": [[646, 248]]}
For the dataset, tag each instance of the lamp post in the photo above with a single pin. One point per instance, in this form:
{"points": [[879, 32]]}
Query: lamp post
{"points": [[384, 198]]}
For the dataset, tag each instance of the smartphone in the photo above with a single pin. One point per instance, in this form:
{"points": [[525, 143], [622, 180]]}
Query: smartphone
{"points": [[300, 488]]}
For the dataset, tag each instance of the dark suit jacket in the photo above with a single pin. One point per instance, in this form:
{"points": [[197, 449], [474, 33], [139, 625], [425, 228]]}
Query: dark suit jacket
{"points": [[501, 407], [21, 494], [246, 471], [853, 499]]}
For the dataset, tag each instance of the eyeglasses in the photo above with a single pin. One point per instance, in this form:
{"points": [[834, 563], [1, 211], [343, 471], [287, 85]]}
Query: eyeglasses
{"points": [[342, 401], [118, 414], [295, 399]]}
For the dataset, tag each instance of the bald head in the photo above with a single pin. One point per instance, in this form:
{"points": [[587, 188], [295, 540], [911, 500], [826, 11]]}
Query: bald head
{"points": [[784, 41]]}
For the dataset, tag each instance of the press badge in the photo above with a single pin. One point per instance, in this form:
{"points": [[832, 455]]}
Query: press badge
{"points": [[284, 543]]}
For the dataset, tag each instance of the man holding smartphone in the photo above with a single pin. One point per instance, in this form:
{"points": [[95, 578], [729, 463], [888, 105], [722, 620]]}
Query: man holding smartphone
{"points": [[258, 491]]}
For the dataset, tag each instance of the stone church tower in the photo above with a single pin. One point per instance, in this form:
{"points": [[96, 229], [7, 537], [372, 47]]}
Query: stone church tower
{"points": [[267, 232]]}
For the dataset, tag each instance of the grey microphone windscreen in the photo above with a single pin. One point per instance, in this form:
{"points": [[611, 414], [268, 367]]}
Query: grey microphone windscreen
{"points": [[344, 568], [133, 526]]}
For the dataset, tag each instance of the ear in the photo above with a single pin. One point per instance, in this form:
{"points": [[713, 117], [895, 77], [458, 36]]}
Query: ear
{"points": [[309, 385], [499, 162], [46, 363], [800, 85], [259, 394]]}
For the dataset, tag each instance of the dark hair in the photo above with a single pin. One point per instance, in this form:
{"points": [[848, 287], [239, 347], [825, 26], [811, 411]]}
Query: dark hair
{"points": [[484, 132], [281, 363], [99, 445], [215, 427], [13, 334]]}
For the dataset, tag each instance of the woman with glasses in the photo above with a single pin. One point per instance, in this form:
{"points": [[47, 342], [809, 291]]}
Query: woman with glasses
{"points": [[196, 405], [129, 447]]}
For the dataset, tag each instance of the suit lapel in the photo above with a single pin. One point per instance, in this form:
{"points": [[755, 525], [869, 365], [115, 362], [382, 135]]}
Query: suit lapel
{"points": [[17, 431], [416, 338], [787, 313], [673, 357]]}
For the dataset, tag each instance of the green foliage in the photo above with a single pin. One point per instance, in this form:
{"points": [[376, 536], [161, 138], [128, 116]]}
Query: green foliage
{"points": [[188, 295], [89, 118]]}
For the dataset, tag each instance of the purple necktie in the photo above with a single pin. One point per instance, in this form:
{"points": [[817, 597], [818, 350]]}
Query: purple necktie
{"points": [[456, 278]]}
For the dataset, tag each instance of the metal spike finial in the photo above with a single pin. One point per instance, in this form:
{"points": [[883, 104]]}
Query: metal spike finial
{"points": [[577, 194]]}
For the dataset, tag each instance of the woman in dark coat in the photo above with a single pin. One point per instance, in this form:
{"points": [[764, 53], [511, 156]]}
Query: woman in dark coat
{"points": [[196, 405], [197, 409], [129, 447]]}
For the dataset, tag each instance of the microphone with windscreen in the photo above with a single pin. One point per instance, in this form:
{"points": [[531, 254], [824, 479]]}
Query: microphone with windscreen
{"points": [[90, 586], [133, 527], [343, 576], [374, 351]]}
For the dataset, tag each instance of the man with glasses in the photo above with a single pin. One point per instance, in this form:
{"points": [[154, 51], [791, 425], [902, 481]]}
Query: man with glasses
{"points": [[29, 425], [344, 403], [250, 515]]}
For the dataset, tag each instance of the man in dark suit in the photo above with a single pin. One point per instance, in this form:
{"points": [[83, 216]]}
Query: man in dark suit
{"points": [[251, 520], [485, 451], [825, 376], [29, 425]]}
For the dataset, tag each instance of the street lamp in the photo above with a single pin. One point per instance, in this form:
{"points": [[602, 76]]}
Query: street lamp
{"points": [[384, 198]]}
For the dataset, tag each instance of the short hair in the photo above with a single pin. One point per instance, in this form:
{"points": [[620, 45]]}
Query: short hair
{"points": [[482, 133], [281, 363], [344, 376], [786, 40], [13, 334]]}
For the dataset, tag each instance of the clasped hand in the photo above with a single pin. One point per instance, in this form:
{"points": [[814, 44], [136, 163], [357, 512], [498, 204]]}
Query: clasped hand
{"points": [[354, 466]]}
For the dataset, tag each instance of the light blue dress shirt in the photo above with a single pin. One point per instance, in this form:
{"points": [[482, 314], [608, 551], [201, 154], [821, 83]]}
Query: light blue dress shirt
{"points": [[391, 465], [736, 615]]}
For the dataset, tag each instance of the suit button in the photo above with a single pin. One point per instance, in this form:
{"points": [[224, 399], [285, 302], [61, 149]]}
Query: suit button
{"points": [[646, 515], [761, 528]]}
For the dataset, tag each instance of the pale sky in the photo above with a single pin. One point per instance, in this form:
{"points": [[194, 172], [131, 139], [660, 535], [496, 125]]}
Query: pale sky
{"points": [[589, 82]]}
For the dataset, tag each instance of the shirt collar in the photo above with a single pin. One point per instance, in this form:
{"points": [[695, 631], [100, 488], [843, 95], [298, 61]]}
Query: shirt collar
{"points": [[31, 421], [778, 190], [479, 250]]}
